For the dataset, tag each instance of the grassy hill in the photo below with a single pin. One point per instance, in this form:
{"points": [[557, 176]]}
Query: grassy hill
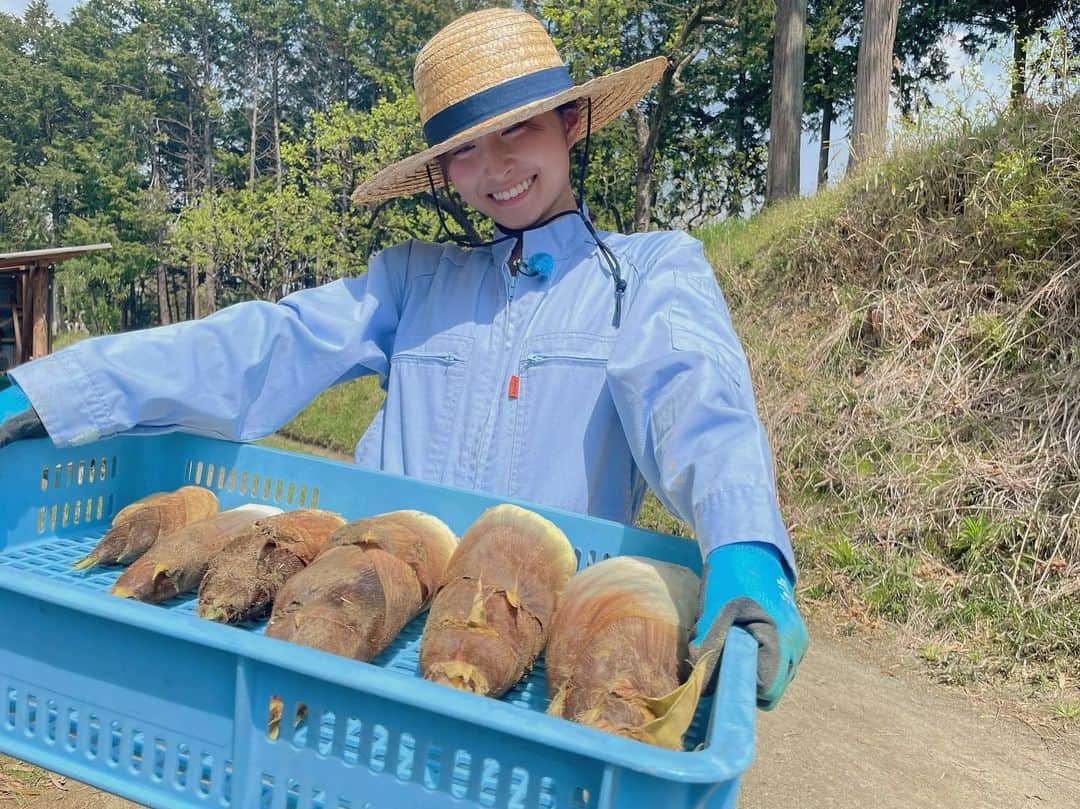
{"points": [[915, 339], [915, 345]]}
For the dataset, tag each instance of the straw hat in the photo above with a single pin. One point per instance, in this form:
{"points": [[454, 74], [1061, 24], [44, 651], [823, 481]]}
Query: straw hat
{"points": [[486, 71]]}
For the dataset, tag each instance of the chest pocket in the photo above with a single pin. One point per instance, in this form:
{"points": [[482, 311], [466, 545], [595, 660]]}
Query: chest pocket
{"points": [[427, 380], [561, 396]]}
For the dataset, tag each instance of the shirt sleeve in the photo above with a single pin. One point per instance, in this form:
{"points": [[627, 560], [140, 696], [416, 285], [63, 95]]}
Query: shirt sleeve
{"points": [[681, 385], [238, 374]]}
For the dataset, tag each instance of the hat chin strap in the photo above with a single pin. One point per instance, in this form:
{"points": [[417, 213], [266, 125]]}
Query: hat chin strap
{"points": [[608, 255]]}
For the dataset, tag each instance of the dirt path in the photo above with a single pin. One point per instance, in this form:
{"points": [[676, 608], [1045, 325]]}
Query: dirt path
{"points": [[860, 729]]}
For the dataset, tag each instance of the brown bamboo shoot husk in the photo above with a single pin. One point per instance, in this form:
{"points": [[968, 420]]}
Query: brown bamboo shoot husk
{"points": [[379, 573], [137, 526], [617, 658], [242, 580], [176, 563], [489, 622]]}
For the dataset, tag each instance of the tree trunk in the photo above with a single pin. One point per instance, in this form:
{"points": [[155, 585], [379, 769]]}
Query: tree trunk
{"points": [[1021, 36], [785, 125], [873, 80], [274, 111], [207, 133], [162, 295], [254, 115], [826, 144]]}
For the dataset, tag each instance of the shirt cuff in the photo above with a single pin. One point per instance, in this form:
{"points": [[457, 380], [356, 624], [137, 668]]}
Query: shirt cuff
{"points": [[65, 397], [742, 514]]}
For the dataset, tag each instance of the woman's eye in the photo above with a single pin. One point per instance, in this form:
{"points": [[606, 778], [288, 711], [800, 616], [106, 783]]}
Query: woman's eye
{"points": [[461, 150], [514, 128]]}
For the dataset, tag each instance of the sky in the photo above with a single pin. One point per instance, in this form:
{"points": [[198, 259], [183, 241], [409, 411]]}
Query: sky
{"points": [[974, 82]]}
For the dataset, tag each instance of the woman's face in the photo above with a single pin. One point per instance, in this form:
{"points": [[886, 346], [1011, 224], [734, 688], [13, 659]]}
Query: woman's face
{"points": [[519, 175]]}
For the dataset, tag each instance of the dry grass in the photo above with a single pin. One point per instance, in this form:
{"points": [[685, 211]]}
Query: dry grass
{"points": [[915, 334]]}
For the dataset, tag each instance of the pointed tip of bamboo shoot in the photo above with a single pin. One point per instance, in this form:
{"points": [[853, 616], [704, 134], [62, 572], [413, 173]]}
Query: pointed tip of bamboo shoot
{"points": [[85, 562], [122, 591], [212, 612]]}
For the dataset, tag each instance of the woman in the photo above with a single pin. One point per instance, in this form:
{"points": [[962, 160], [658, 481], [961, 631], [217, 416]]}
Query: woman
{"points": [[554, 363]]}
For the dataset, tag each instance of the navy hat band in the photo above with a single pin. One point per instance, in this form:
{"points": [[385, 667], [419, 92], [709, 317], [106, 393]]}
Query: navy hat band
{"points": [[496, 100]]}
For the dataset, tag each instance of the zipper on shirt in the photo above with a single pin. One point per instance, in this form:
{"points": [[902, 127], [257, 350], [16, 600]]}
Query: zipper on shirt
{"points": [[539, 359]]}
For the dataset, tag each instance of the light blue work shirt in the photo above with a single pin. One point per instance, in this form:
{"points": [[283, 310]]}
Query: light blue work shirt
{"points": [[514, 385]]}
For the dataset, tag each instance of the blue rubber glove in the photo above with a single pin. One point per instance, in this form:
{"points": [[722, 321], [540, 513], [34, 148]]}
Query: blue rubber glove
{"points": [[745, 584], [18, 419]]}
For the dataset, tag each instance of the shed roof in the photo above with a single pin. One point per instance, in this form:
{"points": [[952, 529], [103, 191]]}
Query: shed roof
{"points": [[47, 255]]}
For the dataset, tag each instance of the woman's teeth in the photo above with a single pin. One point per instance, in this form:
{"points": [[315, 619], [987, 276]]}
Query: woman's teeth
{"points": [[516, 191]]}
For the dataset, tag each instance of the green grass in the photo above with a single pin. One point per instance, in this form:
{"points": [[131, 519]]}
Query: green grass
{"points": [[338, 417]]}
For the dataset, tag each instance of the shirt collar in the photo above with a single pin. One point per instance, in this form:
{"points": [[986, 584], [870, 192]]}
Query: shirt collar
{"points": [[560, 238]]}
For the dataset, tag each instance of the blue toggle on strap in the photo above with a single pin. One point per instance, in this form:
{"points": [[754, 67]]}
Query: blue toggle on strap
{"points": [[495, 100]]}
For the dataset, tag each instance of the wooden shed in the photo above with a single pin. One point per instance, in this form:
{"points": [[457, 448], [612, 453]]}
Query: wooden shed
{"points": [[26, 295]]}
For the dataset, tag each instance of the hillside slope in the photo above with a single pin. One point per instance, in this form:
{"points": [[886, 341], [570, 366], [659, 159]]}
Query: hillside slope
{"points": [[914, 335]]}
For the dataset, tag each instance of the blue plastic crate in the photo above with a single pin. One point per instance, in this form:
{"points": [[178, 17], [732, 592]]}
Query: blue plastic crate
{"points": [[170, 710]]}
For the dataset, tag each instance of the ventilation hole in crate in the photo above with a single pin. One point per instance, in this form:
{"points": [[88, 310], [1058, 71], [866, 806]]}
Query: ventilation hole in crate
{"points": [[315, 497], [31, 714], [350, 752], [489, 782], [41, 520], [80, 475], [226, 783], [52, 518], [406, 753], [580, 799], [137, 739], [300, 725], [577, 555], [51, 710], [318, 799], [109, 506], [70, 475], [243, 483], [377, 759], [432, 766], [325, 743], [72, 736], [292, 794], [78, 512], [94, 736], [266, 488], [44, 478], [546, 799], [116, 736], [254, 491], [519, 787], [290, 496], [459, 776], [93, 469], [273, 717], [100, 505], [592, 558], [277, 491], [343, 803], [198, 473], [302, 499], [232, 480], [607, 556], [88, 512], [158, 770], [66, 515], [206, 774], [266, 791], [209, 476], [221, 478], [187, 470], [183, 762], [112, 467]]}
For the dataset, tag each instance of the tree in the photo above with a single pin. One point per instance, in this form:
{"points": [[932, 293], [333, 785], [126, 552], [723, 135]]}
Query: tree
{"points": [[873, 79], [785, 125]]}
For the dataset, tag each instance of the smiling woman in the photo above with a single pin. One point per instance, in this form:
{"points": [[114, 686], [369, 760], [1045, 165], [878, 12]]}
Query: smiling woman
{"points": [[519, 175]]}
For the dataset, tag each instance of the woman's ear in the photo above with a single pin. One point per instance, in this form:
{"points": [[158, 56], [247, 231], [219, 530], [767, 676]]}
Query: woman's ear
{"points": [[571, 117]]}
